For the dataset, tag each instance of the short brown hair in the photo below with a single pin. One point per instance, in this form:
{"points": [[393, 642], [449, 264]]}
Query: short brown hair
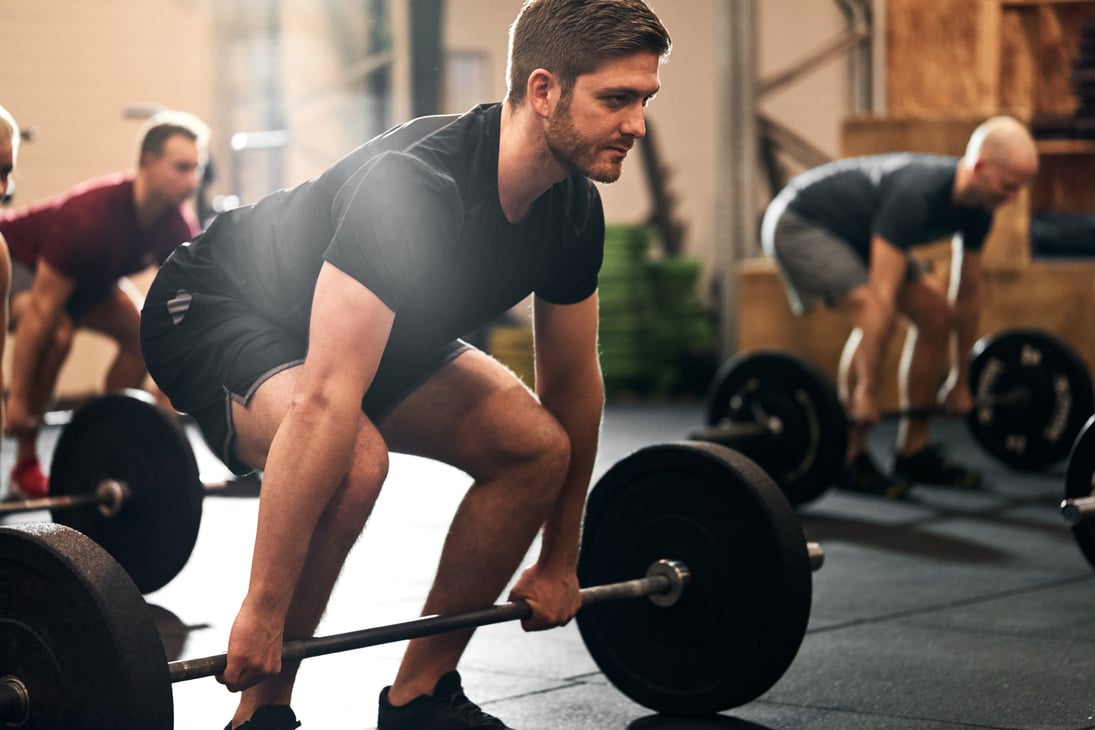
{"points": [[570, 38], [164, 125]]}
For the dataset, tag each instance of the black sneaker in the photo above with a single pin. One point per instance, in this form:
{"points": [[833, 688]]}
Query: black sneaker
{"points": [[863, 476], [931, 465], [448, 708], [270, 717]]}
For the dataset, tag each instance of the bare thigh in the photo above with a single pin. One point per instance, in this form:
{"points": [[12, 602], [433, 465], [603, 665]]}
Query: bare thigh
{"points": [[256, 422], [925, 304], [117, 316], [474, 414]]}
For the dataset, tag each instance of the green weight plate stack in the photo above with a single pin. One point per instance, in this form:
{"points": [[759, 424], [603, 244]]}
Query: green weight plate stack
{"points": [[627, 326]]}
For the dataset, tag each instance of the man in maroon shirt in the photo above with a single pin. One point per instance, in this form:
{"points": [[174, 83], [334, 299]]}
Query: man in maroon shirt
{"points": [[70, 258]]}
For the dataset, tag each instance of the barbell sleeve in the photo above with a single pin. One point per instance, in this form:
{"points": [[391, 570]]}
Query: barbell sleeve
{"points": [[14, 701], [109, 496], [816, 555], [1077, 510]]}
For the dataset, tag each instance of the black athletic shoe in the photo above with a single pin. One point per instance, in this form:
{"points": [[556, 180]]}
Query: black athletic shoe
{"points": [[448, 708], [270, 717], [931, 465], [863, 476]]}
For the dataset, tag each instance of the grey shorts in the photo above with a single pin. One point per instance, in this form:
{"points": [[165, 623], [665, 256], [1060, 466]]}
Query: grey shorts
{"points": [[817, 267]]}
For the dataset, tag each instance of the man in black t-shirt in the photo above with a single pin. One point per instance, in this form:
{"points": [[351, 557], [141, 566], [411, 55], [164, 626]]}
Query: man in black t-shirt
{"points": [[842, 233], [314, 332]]}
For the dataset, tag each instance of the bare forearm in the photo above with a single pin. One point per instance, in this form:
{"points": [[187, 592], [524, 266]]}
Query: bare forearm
{"points": [[966, 327], [307, 459], [876, 327], [581, 418], [31, 338]]}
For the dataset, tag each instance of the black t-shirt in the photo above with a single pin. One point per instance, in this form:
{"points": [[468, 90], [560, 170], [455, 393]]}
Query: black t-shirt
{"points": [[413, 215], [905, 198]]}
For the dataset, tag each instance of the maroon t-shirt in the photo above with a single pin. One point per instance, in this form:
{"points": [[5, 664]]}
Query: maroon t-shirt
{"points": [[90, 234]]}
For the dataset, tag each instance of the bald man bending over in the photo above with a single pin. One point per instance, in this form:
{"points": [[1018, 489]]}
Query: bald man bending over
{"points": [[842, 233]]}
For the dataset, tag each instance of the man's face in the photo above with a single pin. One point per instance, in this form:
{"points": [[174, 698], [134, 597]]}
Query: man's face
{"points": [[174, 176], [591, 131], [999, 182]]}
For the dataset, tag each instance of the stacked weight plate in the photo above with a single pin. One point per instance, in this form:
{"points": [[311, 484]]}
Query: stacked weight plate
{"points": [[1083, 83], [627, 330]]}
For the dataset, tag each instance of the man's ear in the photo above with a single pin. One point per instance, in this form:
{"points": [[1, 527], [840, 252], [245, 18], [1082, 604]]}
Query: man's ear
{"points": [[542, 91]]}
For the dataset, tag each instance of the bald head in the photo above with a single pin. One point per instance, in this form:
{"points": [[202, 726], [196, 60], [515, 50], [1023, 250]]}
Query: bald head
{"points": [[1002, 141], [1001, 158]]}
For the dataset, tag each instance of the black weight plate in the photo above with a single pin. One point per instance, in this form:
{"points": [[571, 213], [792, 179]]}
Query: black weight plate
{"points": [[122, 438], [1080, 482], [1037, 434], [75, 630], [738, 626], [808, 454]]}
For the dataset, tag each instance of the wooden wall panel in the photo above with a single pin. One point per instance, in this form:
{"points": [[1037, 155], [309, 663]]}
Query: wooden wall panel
{"points": [[979, 56], [1018, 70], [942, 56], [1064, 184]]}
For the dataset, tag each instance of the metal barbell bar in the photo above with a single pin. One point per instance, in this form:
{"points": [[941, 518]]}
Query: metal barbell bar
{"points": [[664, 583], [1015, 397], [109, 497]]}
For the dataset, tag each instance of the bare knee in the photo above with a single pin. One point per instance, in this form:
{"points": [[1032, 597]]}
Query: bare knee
{"points": [[934, 326], [61, 339], [366, 475], [349, 509], [534, 454]]}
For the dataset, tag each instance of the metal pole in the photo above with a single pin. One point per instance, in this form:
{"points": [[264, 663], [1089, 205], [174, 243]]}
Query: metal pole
{"points": [[736, 64]]}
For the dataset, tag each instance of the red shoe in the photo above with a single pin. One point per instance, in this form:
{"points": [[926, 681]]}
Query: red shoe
{"points": [[28, 480]]}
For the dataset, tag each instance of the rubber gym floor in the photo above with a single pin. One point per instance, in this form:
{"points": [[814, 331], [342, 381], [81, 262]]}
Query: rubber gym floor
{"points": [[948, 610]]}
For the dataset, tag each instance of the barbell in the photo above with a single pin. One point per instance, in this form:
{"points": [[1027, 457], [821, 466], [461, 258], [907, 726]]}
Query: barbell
{"points": [[780, 411], [1032, 394], [124, 474], [697, 528], [1078, 506]]}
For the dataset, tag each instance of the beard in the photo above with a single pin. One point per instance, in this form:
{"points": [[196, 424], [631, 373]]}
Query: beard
{"points": [[578, 153]]}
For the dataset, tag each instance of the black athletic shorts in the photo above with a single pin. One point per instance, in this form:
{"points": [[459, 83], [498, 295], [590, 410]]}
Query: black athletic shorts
{"points": [[206, 351], [79, 304]]}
